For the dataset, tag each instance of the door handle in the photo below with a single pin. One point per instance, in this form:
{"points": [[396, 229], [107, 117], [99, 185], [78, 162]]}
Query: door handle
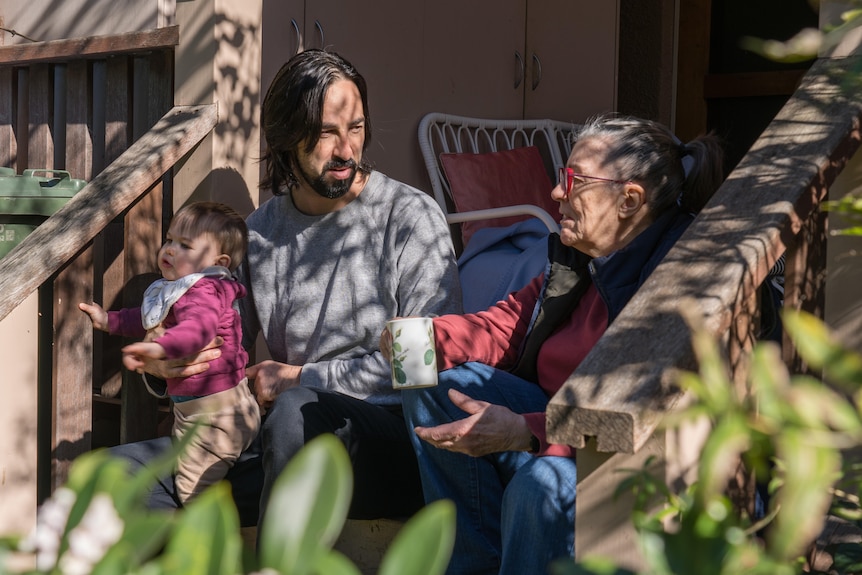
{"points": [[537, 71], [298, 36], [519, 69], [319, 32]]}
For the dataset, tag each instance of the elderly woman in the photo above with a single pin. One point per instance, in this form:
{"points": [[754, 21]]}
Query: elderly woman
{"points": [[625, 197]]}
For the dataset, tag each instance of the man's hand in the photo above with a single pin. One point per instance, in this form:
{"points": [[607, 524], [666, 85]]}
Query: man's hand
{"points": [[271, 378], [488, 429], [186, 366]]}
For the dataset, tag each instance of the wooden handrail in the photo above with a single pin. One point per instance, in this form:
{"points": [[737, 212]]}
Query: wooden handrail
{"points": [[90, 47], [68, 231], [621, 390]]}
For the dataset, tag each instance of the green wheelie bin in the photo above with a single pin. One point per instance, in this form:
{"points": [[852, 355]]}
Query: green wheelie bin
{"points": [[29, 199]]}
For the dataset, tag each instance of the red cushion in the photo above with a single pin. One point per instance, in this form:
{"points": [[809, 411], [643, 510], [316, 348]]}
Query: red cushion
{"points": [[498, 179]]}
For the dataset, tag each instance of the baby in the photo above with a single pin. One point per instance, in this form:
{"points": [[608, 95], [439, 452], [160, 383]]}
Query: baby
{"points": [[182, 313]]}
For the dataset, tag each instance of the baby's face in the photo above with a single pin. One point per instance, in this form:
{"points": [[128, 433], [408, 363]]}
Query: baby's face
{"points": [[182, 255]]}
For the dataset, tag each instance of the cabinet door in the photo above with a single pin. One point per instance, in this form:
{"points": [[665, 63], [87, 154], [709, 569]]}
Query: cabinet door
{"points": [[282, 35], [571, 58], [383, 39], [473, 55]]}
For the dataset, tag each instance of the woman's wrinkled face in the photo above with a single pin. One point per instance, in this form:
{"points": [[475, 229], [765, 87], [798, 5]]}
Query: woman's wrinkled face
{"points": [[591, 221]]}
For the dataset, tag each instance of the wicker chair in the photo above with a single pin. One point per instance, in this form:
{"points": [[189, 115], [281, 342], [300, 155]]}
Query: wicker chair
{"points": [[444, 133]]}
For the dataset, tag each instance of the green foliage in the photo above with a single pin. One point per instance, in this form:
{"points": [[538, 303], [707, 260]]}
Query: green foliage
{"points": [[849, 208], [808, 43], [97, 524], [792, 430]]}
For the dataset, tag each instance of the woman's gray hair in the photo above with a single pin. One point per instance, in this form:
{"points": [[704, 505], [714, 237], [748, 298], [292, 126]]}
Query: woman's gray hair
{"points": [[648, 153]]}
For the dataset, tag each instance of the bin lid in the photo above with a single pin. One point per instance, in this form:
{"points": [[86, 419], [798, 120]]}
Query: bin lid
{"points": [[58, 184], [36, 194]]}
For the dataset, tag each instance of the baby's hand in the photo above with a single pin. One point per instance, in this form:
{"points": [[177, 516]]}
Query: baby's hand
{"points": [[98, 316], [136, 354]]}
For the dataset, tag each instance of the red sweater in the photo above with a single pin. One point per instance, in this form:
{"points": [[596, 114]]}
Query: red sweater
{"points": [[494, 337], [204, 311]]}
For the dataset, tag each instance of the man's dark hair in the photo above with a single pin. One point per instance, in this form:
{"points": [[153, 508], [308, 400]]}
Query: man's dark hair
{"points": [[292, 112]]}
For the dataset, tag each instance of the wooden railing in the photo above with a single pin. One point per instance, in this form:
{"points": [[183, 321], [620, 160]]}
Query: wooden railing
{"points": [[102, 109], [611, 406]]}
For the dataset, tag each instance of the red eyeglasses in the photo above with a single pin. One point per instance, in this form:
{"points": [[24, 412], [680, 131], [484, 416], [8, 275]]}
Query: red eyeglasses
{"points": [[567, 177]]}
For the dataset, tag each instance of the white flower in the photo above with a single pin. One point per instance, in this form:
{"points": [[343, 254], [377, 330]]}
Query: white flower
{"points": [[51, 520], [99, 529]]}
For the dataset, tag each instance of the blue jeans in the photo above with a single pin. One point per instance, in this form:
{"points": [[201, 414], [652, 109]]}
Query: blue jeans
{"points": [[515, 511], [385, 475]]}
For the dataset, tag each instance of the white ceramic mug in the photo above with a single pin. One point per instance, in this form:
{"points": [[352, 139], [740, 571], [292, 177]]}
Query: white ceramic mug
{"points": [[414, 355]]}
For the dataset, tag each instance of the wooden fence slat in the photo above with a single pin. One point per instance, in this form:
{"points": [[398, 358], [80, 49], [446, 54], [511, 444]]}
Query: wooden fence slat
{"points": [[8, 143], [805, 277], [40, 148], [58, 118], [143, 236], [23, 116], [79, 142], [72, 412], [102, 373], [117, 108], [115, 115], [145, 227]]}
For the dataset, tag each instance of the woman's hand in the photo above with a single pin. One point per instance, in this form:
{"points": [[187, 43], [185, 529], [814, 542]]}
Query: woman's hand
{"points": [[488, 429], [271, 378], [183, 367]]}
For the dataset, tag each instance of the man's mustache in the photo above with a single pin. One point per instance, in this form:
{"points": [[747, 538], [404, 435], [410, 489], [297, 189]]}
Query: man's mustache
{"points": [[338, 164]]}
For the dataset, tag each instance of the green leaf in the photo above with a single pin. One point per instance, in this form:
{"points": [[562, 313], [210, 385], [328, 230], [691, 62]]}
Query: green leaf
{"points": [[335, 563], [206, 540], [817, 346], [720, 456], [800, 48], [819, 407], [133, 492], [770, 383], [851, 231], [307, 508], [429, 356], [400, 376], [424, 544], [846, 557], [808, 472], [714, 389]]}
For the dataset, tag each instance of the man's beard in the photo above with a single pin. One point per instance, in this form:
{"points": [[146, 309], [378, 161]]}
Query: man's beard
{"points": [[333, 190]]}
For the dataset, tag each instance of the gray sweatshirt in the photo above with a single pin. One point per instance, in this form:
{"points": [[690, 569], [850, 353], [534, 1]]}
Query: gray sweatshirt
{"points": [[321, 288]]}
